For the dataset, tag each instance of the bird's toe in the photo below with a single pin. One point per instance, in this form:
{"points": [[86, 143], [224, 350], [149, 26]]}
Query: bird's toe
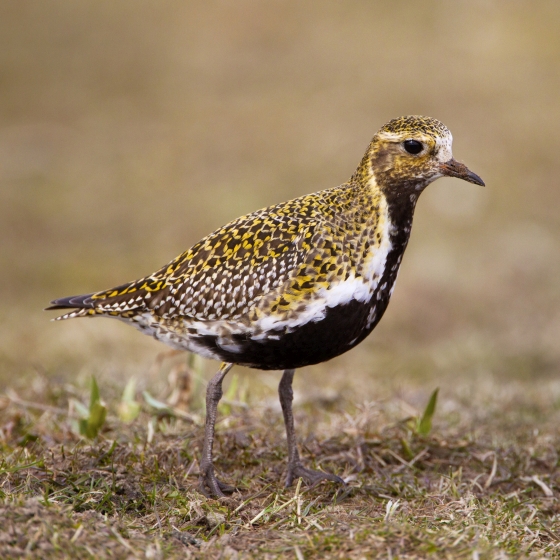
{"points": [[310, 476], [211, 487]]}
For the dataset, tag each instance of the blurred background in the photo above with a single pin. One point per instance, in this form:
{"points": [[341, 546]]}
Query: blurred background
{"points": [[130, 129]]}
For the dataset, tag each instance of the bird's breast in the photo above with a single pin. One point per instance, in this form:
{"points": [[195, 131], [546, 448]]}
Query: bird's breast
{"points": [[331, 303]]}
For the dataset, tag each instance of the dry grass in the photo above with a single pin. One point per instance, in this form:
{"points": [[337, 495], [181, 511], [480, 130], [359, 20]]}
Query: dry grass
{"points": [[483, 484]]}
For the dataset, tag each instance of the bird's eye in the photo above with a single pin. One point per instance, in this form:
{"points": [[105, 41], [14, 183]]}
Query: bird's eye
{"points": [[413, 146]]}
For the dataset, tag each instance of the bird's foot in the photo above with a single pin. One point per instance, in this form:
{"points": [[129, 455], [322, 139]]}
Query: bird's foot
{"points": [[309, 476], [210, 486]]}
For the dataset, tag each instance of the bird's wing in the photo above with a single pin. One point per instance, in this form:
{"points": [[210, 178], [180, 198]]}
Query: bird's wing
{"points": [[224, 275]]}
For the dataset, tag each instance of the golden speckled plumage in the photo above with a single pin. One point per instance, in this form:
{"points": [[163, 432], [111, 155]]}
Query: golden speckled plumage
{"points": [[279, 254], [412, 124], [269, 273]]}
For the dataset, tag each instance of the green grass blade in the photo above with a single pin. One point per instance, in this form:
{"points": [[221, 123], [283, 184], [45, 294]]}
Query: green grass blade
{"points": [[90, 426], [154, 403], [129, 407], [425, 424], [94, 394]]}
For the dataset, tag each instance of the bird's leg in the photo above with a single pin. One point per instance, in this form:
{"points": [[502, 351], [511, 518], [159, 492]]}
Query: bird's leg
{"points": [[295, 467], [209, 484]]}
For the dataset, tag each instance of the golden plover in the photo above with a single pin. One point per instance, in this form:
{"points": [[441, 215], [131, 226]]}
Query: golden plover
{"points": [[293, 284]]}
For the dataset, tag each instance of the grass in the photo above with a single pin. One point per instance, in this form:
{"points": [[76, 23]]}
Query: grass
{"points": [[481, 484]]}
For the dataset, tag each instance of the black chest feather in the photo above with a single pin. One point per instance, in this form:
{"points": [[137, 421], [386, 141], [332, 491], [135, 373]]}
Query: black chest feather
{"points": [[343, 327]]}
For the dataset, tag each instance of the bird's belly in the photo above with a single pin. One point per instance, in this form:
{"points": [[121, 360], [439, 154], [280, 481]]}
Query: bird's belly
{"points": [[341, 328]]}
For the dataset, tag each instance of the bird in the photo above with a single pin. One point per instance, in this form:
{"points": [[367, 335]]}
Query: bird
{"points": [[290, 285]]}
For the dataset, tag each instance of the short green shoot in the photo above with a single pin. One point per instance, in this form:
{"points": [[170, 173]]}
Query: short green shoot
{"points": [[424, 426], [91, 419]]}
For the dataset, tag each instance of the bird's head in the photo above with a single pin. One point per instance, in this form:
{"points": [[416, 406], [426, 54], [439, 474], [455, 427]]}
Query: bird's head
{"points": [[408, 153]]}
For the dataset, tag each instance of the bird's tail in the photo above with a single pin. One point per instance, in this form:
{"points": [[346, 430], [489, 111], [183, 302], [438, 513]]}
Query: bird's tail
{"points": [[122, 301], [82, 306]]}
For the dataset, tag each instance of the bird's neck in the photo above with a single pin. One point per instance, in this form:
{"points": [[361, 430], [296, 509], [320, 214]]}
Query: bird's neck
{"points": [[378, 182], [401, 197], [392, 204]]}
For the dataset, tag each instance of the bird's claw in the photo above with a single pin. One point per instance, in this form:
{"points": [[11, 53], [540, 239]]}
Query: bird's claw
{"points": [[309, 476], [211, 487]]}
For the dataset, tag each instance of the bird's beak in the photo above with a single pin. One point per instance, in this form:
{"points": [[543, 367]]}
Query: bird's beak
{"points": [[453, 168]]}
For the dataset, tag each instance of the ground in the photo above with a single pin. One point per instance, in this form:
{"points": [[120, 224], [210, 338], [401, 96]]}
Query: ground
{"points": [[481, 484]]}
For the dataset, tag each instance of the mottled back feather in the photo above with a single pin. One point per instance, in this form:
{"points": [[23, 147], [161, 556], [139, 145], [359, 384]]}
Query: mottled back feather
{"points": [[299, 243]]}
